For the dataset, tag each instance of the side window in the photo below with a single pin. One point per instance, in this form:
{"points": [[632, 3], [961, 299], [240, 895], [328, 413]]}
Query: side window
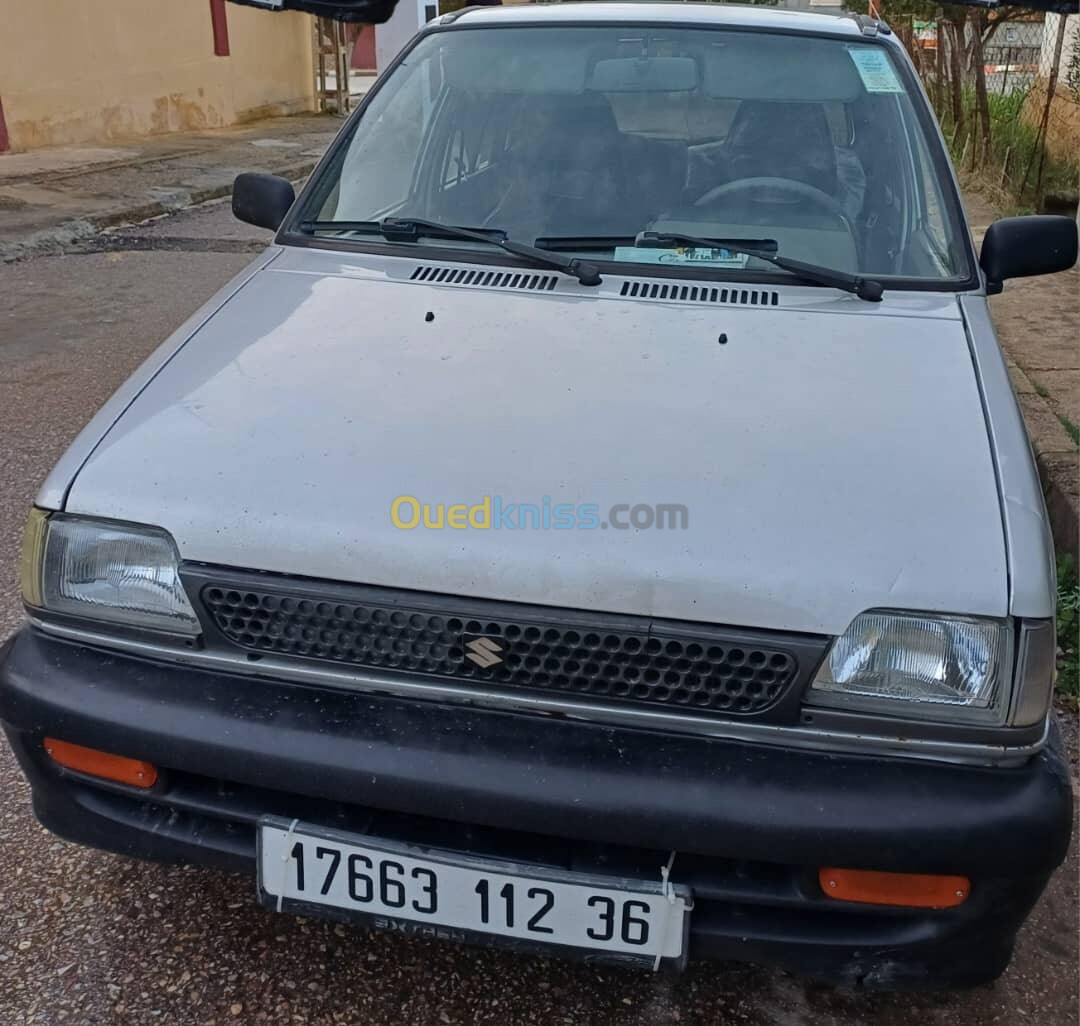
{"points": [[377, 173], [475, 143]]}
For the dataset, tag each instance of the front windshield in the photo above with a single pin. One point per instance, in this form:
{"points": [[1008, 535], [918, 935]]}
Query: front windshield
{"points": [[578, 139]]}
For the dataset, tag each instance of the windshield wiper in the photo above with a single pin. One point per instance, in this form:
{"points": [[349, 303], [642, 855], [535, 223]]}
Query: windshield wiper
{"points": [[559, 243], [864, 288], [410, 229]]}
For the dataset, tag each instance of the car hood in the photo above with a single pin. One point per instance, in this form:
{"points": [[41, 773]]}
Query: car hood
{"points": [[832, 454]]}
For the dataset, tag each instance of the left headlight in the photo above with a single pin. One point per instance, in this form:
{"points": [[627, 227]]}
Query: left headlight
{"points": [[904, 664], [101, 570]]}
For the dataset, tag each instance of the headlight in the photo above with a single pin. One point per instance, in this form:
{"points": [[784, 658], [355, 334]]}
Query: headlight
{"points": [[903, 664], [100, 570]]}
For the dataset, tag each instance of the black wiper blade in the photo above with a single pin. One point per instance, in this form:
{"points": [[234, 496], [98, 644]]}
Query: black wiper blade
{"points": [[864, 288], [561, 242], [363, 227], [406, 228], [391, 229]]}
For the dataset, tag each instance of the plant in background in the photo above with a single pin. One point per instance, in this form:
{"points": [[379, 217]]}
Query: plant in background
{"points": [[1072, 70], [1068, 629]]}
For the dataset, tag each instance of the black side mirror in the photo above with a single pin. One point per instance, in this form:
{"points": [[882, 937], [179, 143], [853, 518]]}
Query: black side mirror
{"points": [[1019, 247], [262, 200]]}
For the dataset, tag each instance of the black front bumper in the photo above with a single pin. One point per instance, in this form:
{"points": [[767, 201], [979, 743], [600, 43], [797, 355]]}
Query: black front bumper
{"points": [[751, 824]]}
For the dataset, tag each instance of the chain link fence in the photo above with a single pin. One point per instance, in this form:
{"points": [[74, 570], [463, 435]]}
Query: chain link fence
{"points": [[1006, 88]]}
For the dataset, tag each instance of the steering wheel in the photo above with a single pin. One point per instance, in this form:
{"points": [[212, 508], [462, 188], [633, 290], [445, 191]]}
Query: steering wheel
{"points": [[799, 190]]}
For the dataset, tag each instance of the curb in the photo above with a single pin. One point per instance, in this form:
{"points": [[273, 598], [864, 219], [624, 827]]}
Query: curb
{"points": [[1057, 460], [56, 240]]}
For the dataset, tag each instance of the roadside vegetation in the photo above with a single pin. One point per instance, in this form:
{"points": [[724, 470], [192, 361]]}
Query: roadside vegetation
{"points": [[1071, 429], [1013, 147], [989, 76], [1068, 631]]}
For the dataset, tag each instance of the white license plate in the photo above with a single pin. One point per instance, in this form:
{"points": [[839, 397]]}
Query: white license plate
{"points": [[398, 883]]}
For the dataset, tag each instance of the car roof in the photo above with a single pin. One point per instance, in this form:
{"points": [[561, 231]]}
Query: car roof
{"points": [[736, 15]]}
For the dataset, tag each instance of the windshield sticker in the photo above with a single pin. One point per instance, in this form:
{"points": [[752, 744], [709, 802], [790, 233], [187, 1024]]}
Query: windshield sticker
{"points": [[876, 70], [681, 255]]}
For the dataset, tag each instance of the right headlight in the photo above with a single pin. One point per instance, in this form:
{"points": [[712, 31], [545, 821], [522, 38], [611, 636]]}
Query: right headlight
{"points": [[103, 570], [907, 664]]}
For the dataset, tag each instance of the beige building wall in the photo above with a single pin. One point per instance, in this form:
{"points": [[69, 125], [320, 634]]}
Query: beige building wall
{"points": [[76, 72]]}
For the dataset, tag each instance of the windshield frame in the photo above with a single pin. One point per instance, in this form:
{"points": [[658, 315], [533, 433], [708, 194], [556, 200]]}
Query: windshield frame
{"points": [[322, 179]]}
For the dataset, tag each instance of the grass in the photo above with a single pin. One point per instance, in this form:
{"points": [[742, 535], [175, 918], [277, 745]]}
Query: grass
{"points": [[1071, 429], [1012, 134], [1068, 631]]}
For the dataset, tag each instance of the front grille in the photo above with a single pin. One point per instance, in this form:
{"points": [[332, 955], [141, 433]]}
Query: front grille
{"points": [[622, 659]]}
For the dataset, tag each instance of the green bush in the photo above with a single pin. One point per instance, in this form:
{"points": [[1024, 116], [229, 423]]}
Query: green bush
{"points": [[1072, 73], [1017, 136]]}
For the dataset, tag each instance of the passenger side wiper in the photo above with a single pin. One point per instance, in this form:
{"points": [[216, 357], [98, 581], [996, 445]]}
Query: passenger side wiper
{"points": [[560, 243], [864, 288], [411, 229]]}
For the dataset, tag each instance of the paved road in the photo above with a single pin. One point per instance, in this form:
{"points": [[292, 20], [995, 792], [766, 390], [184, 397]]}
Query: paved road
{"points": [[88, 938]]}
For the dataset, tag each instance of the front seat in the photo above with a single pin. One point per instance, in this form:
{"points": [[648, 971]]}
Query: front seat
{"points": [[566, 176], [782, 140]]}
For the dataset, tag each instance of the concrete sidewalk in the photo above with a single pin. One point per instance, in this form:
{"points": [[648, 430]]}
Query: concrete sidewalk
{"points": [[51, 198], [1038, 324]]}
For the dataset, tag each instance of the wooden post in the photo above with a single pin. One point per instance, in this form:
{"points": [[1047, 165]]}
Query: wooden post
{"points": [[956, 67], [980, 151], [1040, 135], [1005, 167], [331, 52], [1051, 88], [939, 68]]}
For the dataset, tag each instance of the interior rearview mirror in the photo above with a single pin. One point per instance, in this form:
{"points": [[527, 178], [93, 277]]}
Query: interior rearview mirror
{"points": [[1019, 247], [262, 200], [645, 75]]}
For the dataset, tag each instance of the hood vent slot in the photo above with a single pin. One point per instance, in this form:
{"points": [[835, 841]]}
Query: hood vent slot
{"points": [[472, 278], [671, 293]]}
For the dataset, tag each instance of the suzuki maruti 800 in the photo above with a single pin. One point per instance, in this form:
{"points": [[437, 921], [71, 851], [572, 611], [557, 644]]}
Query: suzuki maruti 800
{"points": [[600, 523]]}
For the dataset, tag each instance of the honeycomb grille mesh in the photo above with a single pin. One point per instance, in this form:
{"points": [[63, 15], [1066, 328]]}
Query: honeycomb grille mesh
{"points": [[648, 666]]}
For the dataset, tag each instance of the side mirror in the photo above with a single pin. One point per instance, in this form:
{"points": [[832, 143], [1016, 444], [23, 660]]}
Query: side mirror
{"points": [[262, 200], [1019, 247]]}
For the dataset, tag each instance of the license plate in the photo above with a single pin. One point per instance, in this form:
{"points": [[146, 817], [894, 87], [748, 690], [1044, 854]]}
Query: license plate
{"points": [[431, 892]]}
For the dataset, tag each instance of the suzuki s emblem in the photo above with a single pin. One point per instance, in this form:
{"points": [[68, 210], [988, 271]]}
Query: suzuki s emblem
{"points": [[485, 652]]}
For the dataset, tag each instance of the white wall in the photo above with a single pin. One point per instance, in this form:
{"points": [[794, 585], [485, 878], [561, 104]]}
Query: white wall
{"points": [[1072, 39], [392, 35]]}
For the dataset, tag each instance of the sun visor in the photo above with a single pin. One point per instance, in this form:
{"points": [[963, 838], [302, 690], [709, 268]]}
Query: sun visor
{"points": [[480, 63], [782, 68]]}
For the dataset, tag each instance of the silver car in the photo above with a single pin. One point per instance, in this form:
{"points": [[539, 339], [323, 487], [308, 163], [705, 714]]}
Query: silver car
{"points": [[600, 523]]}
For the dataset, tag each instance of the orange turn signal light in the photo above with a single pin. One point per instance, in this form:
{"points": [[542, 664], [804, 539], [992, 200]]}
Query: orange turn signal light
{"points": [[116, 768], [913, 890]]}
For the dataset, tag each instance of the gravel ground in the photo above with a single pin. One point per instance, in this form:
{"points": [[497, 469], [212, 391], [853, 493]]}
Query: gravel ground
{"points": [[88, 938]]}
